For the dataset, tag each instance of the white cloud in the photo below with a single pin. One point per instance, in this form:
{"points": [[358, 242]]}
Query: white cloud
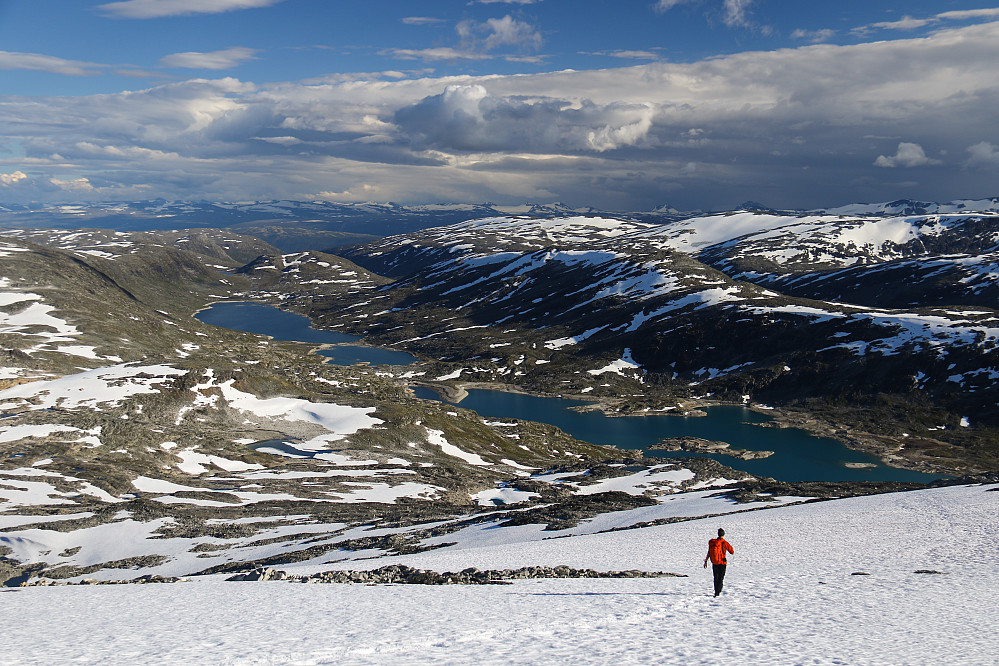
{"points": [[224, 59], [479, 39], [736, 12], [495, 33], [44, 63], [117, 152], [904, 23], [907, 155], [466, 118], [666, 5], [8, 179], [813, 36], [75, 185], [364, 192], [438, 53], [610, 137], [789, 127], [144, 9], [626, 55], [983, 153], [421, 20], [962, 14], [910, 23]]}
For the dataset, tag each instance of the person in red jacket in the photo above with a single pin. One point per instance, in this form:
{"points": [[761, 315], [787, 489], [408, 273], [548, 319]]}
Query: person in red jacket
{"points": [[719, 561]]}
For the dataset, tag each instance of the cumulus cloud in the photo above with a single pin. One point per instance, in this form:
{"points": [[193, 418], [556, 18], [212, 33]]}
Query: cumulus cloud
{"points": [[144, 9], [8, 179], [73, 185], [907, 155], [467, 118], [478, 41], [495, 33], [45, 63], [363, 192], [983, 153], [224, 59], [793, 127]]}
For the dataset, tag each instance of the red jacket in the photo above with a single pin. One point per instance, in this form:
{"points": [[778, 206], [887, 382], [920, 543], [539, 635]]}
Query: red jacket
{"points": [[717, 549]]}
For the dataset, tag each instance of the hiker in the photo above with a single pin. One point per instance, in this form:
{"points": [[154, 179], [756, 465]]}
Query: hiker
{"points": [[716, 553]]}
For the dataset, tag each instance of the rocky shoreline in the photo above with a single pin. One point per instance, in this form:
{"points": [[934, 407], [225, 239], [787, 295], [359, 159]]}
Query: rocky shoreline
{"points": [[908, 453], [923, 454]]}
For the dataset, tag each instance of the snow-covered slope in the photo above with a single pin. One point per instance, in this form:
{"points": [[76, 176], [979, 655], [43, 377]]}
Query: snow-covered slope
{"points": [[795, 593], [909, 207]]}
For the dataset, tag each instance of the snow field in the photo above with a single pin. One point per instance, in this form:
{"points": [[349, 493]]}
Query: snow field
{"points": [[92, 388], [790, 599]]}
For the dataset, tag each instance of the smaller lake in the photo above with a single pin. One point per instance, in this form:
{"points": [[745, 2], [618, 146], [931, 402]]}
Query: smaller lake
{"points": [[281, 325], [350, 354], [798, 455]]}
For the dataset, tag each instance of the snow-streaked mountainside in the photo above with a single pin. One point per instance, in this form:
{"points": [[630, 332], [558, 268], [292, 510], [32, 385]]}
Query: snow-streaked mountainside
{"points": [[910, 207], [824, 583], [297, 225], [742, 305], [137, 440], [290, 225], [603, 278]]}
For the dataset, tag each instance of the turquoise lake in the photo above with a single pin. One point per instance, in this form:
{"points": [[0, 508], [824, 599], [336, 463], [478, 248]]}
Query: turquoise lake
{"points": [[798, 456], [282, 325]]}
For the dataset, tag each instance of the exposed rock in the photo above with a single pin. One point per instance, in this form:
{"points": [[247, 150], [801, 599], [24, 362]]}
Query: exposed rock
{"points": [[698, 445], [763, 489], [402, 574], [692, 444], [261, 573], [579, 507], [148, 578]]}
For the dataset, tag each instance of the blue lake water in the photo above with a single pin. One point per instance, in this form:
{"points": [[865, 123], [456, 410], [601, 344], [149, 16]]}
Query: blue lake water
{"points": [[281, 325], [798, 456]]}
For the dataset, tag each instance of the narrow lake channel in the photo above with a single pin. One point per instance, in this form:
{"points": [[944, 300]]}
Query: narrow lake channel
{"points": [[798, 456], [281, 325]]}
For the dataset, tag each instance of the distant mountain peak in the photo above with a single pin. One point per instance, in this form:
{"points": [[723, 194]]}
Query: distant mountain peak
{"points": [[755, 206]]}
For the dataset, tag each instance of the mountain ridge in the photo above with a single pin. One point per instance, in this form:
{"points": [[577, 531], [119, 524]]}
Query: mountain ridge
{"points": [[295, 225]]}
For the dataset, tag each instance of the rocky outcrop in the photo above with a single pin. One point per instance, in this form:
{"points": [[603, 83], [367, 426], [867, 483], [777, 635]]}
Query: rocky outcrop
{"points": [[402, 574], [698, 445]]}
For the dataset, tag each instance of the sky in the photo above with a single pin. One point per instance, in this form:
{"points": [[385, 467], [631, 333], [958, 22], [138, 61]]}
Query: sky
{"points": [[696, 104]]}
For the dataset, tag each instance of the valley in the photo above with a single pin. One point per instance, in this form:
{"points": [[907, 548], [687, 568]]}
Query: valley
{"points": [[138, 440]]}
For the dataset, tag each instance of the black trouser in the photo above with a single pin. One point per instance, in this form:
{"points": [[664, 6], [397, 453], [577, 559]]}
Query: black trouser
{"points": [[719, 571]]}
